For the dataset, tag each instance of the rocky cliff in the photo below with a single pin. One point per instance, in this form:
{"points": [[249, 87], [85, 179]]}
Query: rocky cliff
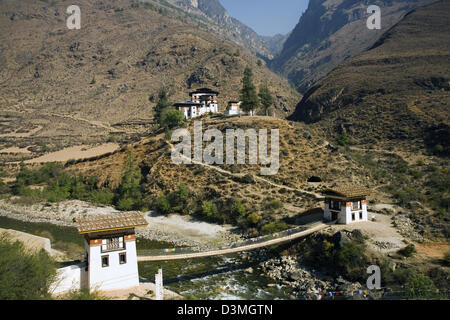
{"points": [[330, 32]]}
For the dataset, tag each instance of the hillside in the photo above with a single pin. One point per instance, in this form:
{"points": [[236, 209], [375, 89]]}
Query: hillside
{"points": [[389, 109], [231, 28], [276, 42], [396, 92], [61, 85], [330, 32], [303, 154]]}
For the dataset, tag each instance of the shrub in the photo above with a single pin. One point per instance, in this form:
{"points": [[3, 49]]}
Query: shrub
{"points": [[274, 227], [420, 286], [407, 195], [209, 210], [163, 205], [3, 187], [171, 118], [104, 196], [274, 204], [183, 192], [348, 260], [125, 204], [447, 257], [24, 274], [45, 173], [238, 209], [343, 140], [253, 218], [83, 294], [408, 251], [438, 149], [178, 199]]}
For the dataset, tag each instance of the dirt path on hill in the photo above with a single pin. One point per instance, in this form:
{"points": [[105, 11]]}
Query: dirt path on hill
{"points": [[239, 175]]}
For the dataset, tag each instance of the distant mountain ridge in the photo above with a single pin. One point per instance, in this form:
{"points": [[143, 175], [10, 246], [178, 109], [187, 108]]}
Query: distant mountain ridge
{"points": [[330, 32], [276, 42], [239, 32], [397, 93]]}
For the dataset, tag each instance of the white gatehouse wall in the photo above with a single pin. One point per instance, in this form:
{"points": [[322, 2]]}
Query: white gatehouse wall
{"points": [[115, 275], [69, 278]]}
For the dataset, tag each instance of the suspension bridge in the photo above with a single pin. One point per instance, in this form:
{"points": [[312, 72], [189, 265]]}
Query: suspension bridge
{"points": [[251, 244]]}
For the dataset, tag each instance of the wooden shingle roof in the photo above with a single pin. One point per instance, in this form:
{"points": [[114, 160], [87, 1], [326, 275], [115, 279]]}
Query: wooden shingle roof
{"points": [[348, 192], [108, 222]]}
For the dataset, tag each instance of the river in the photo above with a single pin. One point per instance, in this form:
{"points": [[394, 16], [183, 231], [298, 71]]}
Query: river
{"points": [[205, 278]]}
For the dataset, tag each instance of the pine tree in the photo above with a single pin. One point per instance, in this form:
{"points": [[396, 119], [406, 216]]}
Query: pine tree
{"points": [[266, 100], [163, 103], [249, 97], [129, 190]]}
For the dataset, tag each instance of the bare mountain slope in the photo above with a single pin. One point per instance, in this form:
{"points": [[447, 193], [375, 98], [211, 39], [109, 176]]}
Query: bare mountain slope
{"points": [[330, 32], [396, 93], [232, 28], [82, 82]]}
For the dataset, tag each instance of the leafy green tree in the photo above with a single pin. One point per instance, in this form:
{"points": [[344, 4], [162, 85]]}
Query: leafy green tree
{"points": [[178, 199], [171, 118], [238, 209], [45, 173], [129, 192], [58, 189], [266, 100], [125, 204], [208, 209], [343, 139], [249, 96], [24, 275], [163, 205], [420, 286], [183, 192]]}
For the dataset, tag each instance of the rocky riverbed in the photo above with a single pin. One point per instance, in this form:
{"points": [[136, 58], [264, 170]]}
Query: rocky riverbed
{"points": [[288, 270], [175, 229]]}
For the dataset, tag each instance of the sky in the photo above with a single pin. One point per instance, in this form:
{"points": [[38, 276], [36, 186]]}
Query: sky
{"points": [[267, 17]]}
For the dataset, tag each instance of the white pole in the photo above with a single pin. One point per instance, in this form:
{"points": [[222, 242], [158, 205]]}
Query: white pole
{"points": [[159, 287]]}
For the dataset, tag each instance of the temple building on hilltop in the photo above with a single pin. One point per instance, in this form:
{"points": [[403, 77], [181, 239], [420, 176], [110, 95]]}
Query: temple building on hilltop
{"points": [[346, 205], [202, 101], [234, 108]]}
